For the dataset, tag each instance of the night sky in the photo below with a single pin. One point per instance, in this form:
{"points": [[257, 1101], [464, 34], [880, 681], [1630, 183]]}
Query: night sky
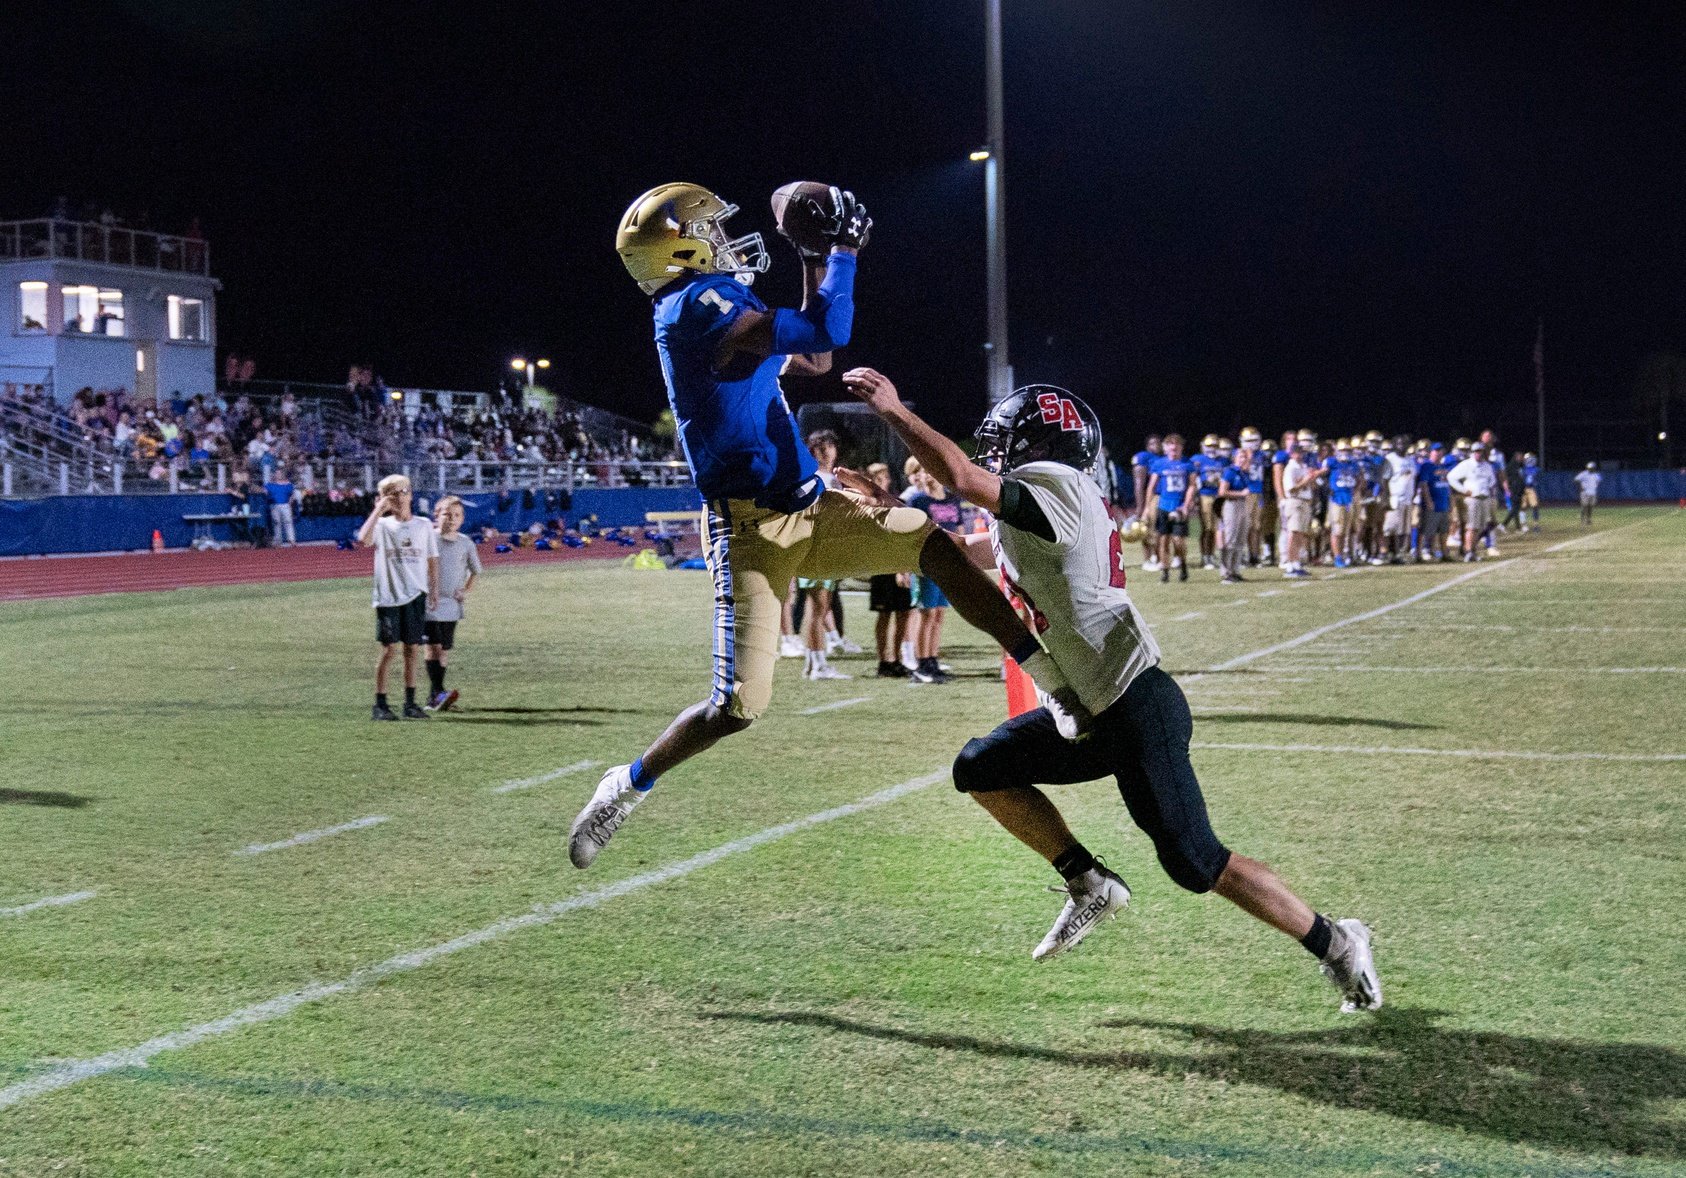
{"points": [[1219, 213]]}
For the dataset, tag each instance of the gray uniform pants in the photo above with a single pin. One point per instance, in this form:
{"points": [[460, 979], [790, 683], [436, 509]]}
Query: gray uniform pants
{"points": [[1237, 527], [281, 523]]}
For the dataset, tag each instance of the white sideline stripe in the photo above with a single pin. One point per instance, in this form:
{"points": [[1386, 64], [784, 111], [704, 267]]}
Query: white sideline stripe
{"points": [[1236, 602], [1188, 617], [74, 1071], [1478, 754], [1272, 592], [1496, 627], [1472, 670], [48, 902], [311, 836], [540, 779], [832, 707], [1313, 635]]}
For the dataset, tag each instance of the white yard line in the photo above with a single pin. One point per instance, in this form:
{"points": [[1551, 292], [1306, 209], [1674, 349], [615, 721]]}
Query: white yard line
{"points": [[1330, 628], [1188, 617], [1476, 754], [1236, 602], [1497, 628], [1483, 670], [832, 707], [311, 836], [540, 779], [74, 1071], [48, 902], [1272, 592]]}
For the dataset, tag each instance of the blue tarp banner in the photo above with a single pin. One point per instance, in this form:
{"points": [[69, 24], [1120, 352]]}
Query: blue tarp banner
{"points": [[115, 523], [1558, 486]]}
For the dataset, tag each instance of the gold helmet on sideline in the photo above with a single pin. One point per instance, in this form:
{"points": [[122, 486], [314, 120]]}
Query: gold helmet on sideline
{"points": [[1133, 532], [1374, 438], [1209, 442], [1250, 436], [678, 227]]}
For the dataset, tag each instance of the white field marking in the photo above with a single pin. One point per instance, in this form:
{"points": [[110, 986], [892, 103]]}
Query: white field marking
{"points": [[540, 779], [74, 1071], [1221, 709], [1272, 592], [1482, 670], [1313, 635], [832, 707], [1236, 602], [47, 902], [1498, 628], [1475, 754], [1188, 617], [311, 836]]}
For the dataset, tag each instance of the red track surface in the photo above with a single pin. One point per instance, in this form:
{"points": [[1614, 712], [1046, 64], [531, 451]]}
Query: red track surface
{"points": [[139, 572]]}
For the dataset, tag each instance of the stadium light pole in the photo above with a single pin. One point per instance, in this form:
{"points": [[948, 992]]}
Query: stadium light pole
{"points": [[995, 211]]}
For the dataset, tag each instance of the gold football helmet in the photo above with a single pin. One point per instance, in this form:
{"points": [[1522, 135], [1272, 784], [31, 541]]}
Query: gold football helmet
{"points": [[677, 227], [1250, 437], [1133, 532]]}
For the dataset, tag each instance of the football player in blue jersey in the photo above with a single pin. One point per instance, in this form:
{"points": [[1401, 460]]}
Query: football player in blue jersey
{"points": [[1208, 472], [1343, 480], [1172, 484], [1436, 495], [1531, 491], [769, 517], [1141, 469]]}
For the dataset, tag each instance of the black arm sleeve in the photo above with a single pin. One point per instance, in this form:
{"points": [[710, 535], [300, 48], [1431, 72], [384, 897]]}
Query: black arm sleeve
{"points": [[1020, 509]]}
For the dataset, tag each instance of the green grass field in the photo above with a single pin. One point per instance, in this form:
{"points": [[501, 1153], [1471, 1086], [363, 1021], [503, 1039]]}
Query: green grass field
{"points": [[853, 995]]}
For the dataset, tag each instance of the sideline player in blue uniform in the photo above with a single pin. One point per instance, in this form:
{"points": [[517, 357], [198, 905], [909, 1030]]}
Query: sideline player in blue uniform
{"points": [[1436, 495], [1208, 472], [1141, 469], [1172, 487], [769, 517], [1344, 476]]}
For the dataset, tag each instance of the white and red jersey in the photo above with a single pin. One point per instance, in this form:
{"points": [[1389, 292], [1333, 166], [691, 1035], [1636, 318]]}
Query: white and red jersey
{"points": [[1074, 584]]}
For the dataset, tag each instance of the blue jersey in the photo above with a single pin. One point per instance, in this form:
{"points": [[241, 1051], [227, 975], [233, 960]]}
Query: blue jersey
{"points": [[280, 494], [1530, 474], [1257, 466], [1375, 475], [1432, 475], [1343, 480], [1209, 469], [739, 435], [1144, 458], [1174, 475], [1236, 478]]}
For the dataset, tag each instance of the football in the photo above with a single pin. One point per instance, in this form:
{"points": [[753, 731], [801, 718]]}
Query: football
{"points": [[795, 217]]}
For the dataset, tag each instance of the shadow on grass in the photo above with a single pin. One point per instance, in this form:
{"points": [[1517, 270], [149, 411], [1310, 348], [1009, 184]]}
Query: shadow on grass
{"points": [[1319, 721], [524, 720], [42, 797], [1549, 1093]]}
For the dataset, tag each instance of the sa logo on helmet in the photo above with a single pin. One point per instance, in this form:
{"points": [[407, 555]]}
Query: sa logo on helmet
{"points": [[1057, 410]]}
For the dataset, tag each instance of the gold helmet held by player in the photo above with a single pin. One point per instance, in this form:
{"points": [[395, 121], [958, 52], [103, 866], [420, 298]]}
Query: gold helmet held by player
{"points": [[1133, 532], [678, 227]]}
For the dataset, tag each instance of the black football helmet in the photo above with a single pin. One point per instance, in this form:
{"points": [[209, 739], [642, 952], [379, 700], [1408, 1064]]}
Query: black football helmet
{"points": [[1038, 423]]}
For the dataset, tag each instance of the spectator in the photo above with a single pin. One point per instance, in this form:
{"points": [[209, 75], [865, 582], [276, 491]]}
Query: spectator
{"points": [[1588, 480], [282, 494]]}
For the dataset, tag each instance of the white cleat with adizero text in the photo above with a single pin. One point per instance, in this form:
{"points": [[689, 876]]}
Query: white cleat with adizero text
{"points": [[1350, 968], [608, 809], [1091, 897]]}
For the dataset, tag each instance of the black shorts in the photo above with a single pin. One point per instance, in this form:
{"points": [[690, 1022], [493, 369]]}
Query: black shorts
{"points": [[1166, 526], [401, 623], [440, 634], [886, 596], [1142, 741]]}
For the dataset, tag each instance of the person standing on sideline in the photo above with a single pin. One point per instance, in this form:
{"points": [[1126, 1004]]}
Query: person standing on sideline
{"points": [[1173, 483], [459, 570], [406, 586], [282, 495], [1141, 469], [1236, 496], [1300, 474], [890, 597], [1531, 491], [1474, 480], [1589, 480]]}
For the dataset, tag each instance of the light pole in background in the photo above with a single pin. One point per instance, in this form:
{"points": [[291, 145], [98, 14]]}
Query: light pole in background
{"points": [[995, 210], [529, 367]]}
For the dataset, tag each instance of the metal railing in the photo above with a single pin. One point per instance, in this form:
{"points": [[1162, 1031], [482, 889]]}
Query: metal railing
{"points": [[24, 475], [111, 245]]}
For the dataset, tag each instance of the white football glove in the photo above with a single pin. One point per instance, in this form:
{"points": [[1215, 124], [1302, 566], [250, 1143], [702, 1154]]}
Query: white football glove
{"points": [[1071, 719]]}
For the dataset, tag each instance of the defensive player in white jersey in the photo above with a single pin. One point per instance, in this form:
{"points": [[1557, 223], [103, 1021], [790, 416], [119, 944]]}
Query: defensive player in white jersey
{"points": [[1053, 538]]}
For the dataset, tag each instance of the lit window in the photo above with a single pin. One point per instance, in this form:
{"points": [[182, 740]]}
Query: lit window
{"points": [[108, 317], [81, 304], [187, 318], [32, 306]]}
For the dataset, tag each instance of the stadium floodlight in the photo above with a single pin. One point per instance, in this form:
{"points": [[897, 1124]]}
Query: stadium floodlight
{"points": [[979, 156], [520, 364]]}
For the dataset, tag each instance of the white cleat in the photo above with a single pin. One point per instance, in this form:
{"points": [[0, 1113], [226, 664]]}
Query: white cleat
{"points": [[826, 671], [1350, 968], [790, 647], [1096, 894], [841, 645], [607, 811], [1150, 566]]}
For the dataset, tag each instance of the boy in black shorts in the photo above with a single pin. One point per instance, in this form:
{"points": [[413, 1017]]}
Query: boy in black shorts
{"points": [[891, 599], [459, 568], [406, 584]]}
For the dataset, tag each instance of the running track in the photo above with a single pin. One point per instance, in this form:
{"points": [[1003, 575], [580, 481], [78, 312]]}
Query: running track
{"points": [[27, 578]]}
